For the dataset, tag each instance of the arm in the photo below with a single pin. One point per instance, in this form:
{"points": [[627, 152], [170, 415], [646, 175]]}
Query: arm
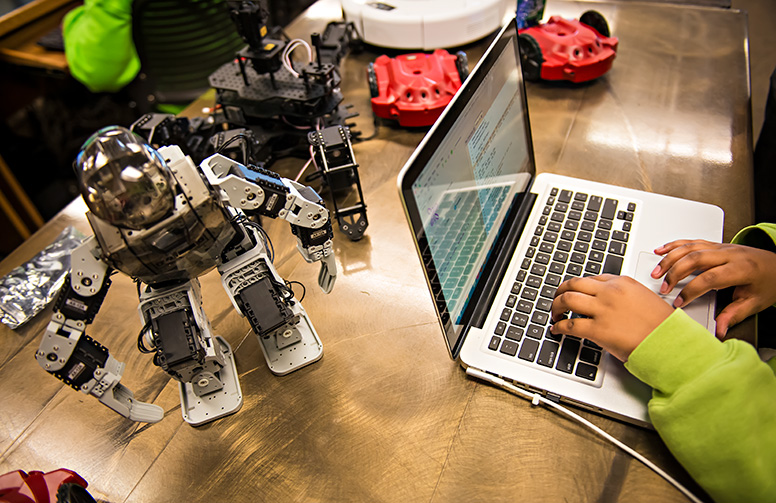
{"points": [[67, 353], [714, 405], [262, 192], [713, 402], [99, 48]]}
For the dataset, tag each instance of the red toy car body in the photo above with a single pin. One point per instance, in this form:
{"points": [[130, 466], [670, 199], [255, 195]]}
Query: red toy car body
{"points": [[61, 485], [567, 49], [415, 88]]}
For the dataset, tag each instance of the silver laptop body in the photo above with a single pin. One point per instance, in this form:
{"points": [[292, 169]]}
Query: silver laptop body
{"points": [[485, 226]]}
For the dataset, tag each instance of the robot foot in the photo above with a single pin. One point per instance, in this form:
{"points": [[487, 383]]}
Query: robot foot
{"points": [[203, 408], [293, 348]]}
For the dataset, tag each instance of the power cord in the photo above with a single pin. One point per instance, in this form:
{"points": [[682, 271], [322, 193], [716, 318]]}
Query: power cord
{"points": [[536, 399]]}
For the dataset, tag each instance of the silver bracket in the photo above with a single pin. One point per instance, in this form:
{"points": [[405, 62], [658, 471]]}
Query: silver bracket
{"points": [[200, 409], [293, 349]]}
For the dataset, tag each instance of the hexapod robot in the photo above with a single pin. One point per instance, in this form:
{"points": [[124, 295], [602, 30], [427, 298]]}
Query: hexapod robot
{"points": [[164, 222]]}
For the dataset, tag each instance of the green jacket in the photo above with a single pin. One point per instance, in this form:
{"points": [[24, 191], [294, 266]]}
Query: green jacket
{"points": [[713, 402], [98, 44]]}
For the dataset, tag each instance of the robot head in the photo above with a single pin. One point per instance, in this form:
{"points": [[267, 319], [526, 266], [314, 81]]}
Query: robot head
{"points": [[123, 180]]}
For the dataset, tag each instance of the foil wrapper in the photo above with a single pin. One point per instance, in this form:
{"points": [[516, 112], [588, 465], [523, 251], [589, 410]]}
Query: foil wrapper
{"points": [[29, 288]]}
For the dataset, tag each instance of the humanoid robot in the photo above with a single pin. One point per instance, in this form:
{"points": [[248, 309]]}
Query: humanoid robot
{"points": [[164, 222]]}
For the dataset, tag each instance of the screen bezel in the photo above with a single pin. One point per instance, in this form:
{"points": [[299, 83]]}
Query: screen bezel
{"points": [[456, 334]]}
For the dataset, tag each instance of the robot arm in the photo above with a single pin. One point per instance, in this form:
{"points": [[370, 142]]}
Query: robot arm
{"points": [[263, 192], [73, 357]]}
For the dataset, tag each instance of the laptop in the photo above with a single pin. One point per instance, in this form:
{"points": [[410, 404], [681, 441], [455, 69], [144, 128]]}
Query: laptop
{"points": [[496, 239]]}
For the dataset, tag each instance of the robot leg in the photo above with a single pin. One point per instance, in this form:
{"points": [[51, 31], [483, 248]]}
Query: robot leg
{"points": [[179, 335], [287, 336]]}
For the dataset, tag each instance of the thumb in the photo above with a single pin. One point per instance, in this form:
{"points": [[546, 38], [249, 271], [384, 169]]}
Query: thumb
{"points": [[734, 313]]}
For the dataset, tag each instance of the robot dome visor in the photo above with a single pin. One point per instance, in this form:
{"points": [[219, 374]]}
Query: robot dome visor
{"points": [[123, 180]]}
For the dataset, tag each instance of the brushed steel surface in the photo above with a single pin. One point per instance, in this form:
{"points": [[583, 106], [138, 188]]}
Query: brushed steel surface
{"points": [[386, 415]]}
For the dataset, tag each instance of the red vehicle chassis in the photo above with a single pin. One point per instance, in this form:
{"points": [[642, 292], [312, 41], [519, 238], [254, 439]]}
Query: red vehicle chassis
{"points": [[415, 88], [567, 49]]}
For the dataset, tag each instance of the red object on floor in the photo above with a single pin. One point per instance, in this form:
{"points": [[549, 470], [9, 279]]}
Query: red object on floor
{"points": [[36, 487]]}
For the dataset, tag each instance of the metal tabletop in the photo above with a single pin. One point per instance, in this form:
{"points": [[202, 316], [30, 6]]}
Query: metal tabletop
{"points": [[386, 415]]}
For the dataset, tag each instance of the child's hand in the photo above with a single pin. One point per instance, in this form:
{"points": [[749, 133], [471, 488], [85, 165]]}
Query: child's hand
{"points": [[751, 270], [621, 312]]}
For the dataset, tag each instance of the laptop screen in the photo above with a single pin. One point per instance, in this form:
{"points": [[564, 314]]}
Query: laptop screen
{"points": [[466, 177]]}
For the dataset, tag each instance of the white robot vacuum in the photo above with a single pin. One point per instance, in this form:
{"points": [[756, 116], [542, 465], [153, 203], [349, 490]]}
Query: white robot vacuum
{"points": [[426, 24]]}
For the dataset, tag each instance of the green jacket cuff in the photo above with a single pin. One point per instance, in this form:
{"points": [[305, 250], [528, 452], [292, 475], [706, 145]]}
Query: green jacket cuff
{"points": [[758, 236], [677, 364]]}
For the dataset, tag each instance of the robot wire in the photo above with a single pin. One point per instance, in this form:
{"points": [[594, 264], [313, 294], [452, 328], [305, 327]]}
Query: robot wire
{"points": [[304, 289], [242, 219], [286, 57], [239, 136], [140, 344]]}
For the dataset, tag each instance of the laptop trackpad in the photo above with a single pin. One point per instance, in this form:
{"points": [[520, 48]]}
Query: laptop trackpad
{"points": [[699, 309]]}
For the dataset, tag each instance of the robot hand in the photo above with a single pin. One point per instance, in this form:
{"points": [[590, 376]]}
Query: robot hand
{"points": [[327, 274], [316, 244]]}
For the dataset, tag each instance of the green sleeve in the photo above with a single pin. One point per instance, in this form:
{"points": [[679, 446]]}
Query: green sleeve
{"points": [[760, 236], [714, 405], [98, 44]]}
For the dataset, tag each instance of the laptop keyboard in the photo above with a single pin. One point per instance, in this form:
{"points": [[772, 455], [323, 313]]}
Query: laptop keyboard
{"points": [[579, 234]]}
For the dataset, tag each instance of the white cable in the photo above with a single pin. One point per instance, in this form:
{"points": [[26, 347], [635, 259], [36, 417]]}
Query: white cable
{"points": [[286, 56], [536, 398], [304, 168]]}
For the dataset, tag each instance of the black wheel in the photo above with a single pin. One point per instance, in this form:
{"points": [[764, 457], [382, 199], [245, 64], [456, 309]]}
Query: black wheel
{"points": [[73, 493], [531, 58], [371, 77], [462, 64], [595, 20]]}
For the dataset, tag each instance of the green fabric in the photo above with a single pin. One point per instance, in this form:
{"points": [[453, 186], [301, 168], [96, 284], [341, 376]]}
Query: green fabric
{"points": [[170, 108], [714, 402], [759, 236], [98, 44]]}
